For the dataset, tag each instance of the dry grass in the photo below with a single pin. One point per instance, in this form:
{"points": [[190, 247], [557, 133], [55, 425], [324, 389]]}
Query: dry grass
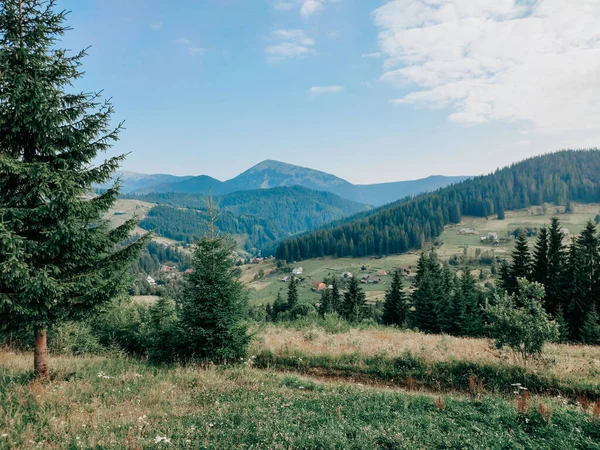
{"points": [[574, 361]]}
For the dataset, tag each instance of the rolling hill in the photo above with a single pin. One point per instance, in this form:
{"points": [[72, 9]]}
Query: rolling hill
{"points": [[269, 174], [557, 178], [258, 218]]}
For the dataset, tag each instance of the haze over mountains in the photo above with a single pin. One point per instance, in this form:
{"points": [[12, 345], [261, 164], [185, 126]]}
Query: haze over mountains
{"points": [[270, 174]]}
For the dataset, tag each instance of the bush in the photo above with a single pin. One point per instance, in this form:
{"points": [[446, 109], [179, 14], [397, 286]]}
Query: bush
{"points": [[521, 323], [74, 338]]}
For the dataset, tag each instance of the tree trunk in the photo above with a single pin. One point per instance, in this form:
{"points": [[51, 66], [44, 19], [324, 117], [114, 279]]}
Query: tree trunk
{"points": [[41, 360]]}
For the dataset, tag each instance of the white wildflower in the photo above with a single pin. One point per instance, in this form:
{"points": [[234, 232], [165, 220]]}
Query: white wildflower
{"points": [[4, 435], [159, 439]]}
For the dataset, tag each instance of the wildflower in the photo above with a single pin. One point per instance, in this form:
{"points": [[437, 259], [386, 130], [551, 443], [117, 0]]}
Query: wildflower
{"points": [[4, 435], [159, 439]]}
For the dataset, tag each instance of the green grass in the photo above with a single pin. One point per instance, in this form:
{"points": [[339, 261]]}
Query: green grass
{"points": [[116, 403]]}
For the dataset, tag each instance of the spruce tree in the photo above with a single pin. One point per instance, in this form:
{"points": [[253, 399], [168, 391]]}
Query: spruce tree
{"points": [[59, 258], [521, 263], [336, 297], [355, 302], [555, 285], [395, 308], [214, 303], [326, 305], [590, 330], [469, 316], [292, 296], [563, 327], [427, 295], [279, 306], [575, 289], [540, 257]]}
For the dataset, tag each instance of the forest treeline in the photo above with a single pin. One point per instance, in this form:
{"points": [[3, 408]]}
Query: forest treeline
{"points": [[557, 178]]}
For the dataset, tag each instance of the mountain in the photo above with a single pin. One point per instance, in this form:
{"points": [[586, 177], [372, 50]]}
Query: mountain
{"points": [[269, 174], [258, 218], [191, 185], [408, 224], [132, 181]]}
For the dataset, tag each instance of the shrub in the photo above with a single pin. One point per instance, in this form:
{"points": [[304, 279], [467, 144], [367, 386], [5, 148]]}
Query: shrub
{"points": [[521, 323]]}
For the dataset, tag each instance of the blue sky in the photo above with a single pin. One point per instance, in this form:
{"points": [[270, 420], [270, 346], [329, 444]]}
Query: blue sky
{"points": [[371, 91]]}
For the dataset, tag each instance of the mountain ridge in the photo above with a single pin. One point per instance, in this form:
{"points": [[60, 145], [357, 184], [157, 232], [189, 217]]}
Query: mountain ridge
{"points": [[271, 173]]}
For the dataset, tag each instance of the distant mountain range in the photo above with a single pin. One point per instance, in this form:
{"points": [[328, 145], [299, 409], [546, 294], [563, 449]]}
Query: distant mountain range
{"points": [[270, 174]]}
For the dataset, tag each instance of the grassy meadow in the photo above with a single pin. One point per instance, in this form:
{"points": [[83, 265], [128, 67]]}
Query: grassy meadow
{"points": [[113, 402]]}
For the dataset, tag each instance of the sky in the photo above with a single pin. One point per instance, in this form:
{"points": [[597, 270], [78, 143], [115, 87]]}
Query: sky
{"points": [[369, 90]]}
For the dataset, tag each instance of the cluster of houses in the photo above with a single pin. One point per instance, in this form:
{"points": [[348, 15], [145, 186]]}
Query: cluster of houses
{"points": [[170, 273]]}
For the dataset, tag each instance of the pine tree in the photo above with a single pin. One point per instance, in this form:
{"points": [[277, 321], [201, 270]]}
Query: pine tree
{"points": [[395, 308], [590, 330], [336, 297], [563, 327], [555, 285], [540, 257], [427, 295], [214, 303], [469, 316], [355, 302], [574, 289], [521, 263], [292, 296], [279, 306], [58, 256], [326, 305]]}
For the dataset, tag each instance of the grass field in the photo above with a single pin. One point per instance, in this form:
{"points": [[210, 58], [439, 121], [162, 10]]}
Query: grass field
{"points": [[98, 402], [265, 290], [391, 355]]}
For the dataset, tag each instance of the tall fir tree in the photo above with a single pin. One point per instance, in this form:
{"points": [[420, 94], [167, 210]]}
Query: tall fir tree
{"points": [[326, 305], [292, 295], [427, 295], [59, 258], [590, 329], [540, 257], [336, 297], [556, 279], [469, 319], [355, 302], [582, 278], [520, 266], [395, 308], [214, 303]]}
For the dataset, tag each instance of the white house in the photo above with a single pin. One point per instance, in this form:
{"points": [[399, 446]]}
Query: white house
{"points": [[297, 271], [151, 281]]}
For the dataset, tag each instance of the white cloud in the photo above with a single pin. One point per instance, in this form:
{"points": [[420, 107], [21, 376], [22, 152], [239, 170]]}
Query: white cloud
{"points": [[291, 43], [319, 90], [489, 60], [189, 46], [310, 7], [307, 8], [374, 55], [296, 36]]}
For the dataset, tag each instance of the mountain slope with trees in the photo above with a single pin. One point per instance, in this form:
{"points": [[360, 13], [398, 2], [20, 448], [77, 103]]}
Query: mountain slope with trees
{"points": [[559, 178], [262, 216]]}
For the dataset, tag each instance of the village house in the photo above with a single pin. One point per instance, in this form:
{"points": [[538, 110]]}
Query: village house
{"points": [[151, 281], [370, 279], [297, 271], [467, 231], [346, 275], [166, 269], [319, 286]]}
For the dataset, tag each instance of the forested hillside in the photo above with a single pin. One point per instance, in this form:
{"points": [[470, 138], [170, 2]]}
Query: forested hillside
{"points": [[264, 216], [407, 224]]}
